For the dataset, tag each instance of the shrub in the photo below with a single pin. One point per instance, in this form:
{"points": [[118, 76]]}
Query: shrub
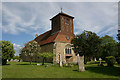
{"points": [[118, 60], [110, 60]]}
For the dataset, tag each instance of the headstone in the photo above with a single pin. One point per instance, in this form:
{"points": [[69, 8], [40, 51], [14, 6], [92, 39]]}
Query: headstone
{"points": [[11, 60], [66, 64], [52, 64], [60, 60], [21, 60], [15, 60], [47, 66], [71, 65], [100, 60], [80, 60], [95, 59], [39, 64]]}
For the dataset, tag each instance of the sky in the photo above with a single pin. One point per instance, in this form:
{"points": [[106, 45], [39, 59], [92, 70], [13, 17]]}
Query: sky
{"points": [[22, 20]]}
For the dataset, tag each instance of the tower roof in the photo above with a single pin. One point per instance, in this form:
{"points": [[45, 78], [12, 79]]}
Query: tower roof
{"points": [[64, 14]]}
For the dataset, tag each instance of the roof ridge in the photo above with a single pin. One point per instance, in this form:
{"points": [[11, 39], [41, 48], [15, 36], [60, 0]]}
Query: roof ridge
{"points": [[43, 34]]}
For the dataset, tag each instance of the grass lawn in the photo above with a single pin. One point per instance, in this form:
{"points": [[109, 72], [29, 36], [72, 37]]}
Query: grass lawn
{"points": [[24, 70]]}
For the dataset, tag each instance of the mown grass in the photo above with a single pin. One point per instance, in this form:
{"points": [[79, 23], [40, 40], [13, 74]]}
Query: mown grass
{"points": [[25, 70]]}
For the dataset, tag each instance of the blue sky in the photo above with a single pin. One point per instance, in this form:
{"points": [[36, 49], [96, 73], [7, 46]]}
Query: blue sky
{"points": [[22, 20]]}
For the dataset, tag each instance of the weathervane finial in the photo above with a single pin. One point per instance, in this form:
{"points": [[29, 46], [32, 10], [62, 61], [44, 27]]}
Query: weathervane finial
{"points": [[61, 10]]}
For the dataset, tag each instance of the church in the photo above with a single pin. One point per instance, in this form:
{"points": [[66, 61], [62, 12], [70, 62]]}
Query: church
{"points": [[58, 39]]}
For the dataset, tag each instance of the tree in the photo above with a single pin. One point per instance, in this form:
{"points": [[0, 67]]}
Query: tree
{"points": [[7, 51], [107, 39], [16, 57], [0, 53], [109, 47], [45, 56], [87, 44], [31, 50], [118, 37]]}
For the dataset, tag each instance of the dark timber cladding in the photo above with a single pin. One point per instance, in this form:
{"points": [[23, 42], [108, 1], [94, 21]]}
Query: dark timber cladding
{"points": [[56, 21]]}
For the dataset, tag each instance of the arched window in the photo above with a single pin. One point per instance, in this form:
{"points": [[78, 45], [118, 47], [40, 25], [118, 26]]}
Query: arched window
{"points": [[68, 49]]}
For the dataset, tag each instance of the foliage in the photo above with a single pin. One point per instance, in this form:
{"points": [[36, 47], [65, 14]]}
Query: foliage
{"points": [[45, 55], [118, 49], [0, 53], [107, 39], [7, 51], [87, 44], [110, 60], [109, 47], [30, 50], [16, 57], [118, 60]]}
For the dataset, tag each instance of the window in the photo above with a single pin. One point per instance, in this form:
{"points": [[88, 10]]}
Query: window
{"points": [[68, 49], [66, 21], [67, 37]]}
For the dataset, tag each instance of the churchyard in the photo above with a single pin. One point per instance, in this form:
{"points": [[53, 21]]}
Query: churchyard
{"points": [[25, 70]]}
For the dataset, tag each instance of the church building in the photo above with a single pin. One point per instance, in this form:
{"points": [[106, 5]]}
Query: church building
{"points": [[58, 39]]}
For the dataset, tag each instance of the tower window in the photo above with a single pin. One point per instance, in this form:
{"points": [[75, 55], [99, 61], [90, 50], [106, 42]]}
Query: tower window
{"points": [[66, 21]]}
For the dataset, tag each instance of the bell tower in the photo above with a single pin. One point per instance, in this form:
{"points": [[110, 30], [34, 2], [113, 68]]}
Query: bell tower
{"points": [[63, 23]]}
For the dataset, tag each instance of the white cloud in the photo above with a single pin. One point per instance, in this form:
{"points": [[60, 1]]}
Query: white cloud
{"points": [[34, 18], [0, 21], [17, 49], [60, 0]]}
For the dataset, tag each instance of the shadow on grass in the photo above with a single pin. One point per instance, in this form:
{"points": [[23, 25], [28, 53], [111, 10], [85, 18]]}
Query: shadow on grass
{"points": [[96, 62], [5, 64], [112, 71], [26, 64], [75, 70]]}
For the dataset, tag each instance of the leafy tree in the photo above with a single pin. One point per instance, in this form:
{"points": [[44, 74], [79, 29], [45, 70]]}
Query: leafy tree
{"points": [[45, 56], [16, 57], [109, 46], [118, 49], [118, 35], [0, 53], [107, 39], [7, 51], [110, 60], [31, 50], [87, 44], [109, 49]]}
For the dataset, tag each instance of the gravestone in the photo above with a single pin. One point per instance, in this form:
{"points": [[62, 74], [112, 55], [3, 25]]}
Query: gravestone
{"points": [[95, 59], [11, 60], [100, 60], [80, 60], [52, 64], [39, 64], [47, 66], [60, 60], [21, 60]]}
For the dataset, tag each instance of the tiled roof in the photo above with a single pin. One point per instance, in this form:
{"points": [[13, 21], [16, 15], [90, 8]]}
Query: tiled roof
{"points": [[43, 36], [46, 38], [62, 38], [49, 39]]}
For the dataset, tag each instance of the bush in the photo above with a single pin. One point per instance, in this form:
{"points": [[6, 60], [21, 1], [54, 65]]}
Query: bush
{"points": [[110, 60], [118, 60]]}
